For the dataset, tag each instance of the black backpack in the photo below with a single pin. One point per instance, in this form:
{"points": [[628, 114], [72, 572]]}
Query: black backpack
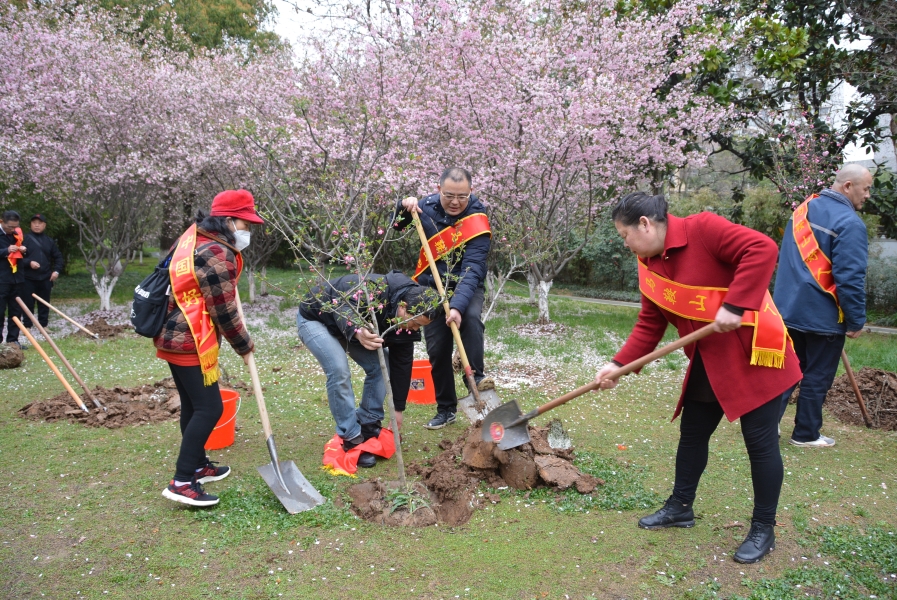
{"points": [[150, 306]]}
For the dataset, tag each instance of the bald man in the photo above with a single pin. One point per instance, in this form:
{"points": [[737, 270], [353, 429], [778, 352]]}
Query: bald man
{"points": [[820, 290]]}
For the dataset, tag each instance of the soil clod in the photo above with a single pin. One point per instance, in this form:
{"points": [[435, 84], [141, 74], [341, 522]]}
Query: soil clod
{"points": [[10, 356]]}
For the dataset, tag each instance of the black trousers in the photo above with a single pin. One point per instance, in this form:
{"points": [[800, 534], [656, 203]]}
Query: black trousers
{"points": [[201, 407], [441, 345], [42, 288], [701, 414], [9, 306], [401, 359]]}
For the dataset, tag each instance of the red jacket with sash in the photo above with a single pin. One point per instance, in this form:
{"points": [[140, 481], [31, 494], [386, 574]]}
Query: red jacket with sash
{"points": [[706, 250]]}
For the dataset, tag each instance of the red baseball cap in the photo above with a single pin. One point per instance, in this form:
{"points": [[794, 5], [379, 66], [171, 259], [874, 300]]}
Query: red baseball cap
{"points": [[235, 203]]}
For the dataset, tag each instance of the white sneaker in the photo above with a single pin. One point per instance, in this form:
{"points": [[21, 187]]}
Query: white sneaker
{"points": [[822, 442]]}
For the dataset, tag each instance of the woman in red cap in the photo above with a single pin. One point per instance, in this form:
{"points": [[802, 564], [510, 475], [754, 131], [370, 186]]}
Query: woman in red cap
{"points": [[204, 270]]}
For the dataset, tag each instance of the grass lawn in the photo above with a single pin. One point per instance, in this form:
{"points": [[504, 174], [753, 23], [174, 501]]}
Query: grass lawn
{"points": [[81, 511]]}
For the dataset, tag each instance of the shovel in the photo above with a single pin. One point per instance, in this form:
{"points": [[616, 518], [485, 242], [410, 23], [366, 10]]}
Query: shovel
{"points": [[476, 404], [856, 389], [284, 478], [508, 427]]}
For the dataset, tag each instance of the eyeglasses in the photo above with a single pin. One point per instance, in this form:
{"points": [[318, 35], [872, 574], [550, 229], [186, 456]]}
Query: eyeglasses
{"points": [[460, 198]]}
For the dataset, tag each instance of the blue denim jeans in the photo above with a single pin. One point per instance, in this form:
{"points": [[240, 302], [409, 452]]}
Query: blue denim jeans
{"points": [[331, 354], [819, 355]]}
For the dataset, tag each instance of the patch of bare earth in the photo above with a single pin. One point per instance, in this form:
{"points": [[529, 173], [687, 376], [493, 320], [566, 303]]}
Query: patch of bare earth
{"points": [[450, 479], [879, 390], [154, 403]]}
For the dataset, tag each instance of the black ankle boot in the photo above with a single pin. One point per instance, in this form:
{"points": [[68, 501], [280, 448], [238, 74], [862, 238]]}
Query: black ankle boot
{"points": [[760, 541], [366, 460], [673, 514], [370, 430]]}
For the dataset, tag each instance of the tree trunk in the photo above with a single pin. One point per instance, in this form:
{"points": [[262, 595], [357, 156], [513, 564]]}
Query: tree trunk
{"points": [[251, 275], [104, 286], [491, 280], [533, 286], [263, 284], [544, 318]]}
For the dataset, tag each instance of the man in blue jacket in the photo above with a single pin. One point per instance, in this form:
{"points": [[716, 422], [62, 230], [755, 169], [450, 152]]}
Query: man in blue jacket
{"points": [[462, 267], [821, 291]]}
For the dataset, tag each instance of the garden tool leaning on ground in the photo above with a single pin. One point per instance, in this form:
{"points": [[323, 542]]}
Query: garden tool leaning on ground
{"points": [[478, 403], [283, 477], [509, 428]]}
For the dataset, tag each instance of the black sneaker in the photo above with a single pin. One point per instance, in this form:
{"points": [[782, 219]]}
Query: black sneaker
{"points": [[441, 420], [209, 472], [673, 514], [366, 460], [190, 493], [760, 541]]}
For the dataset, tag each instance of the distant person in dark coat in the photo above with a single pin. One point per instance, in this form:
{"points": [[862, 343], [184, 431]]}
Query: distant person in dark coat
{"points": [[42, 268], [12, 253], [821, 291]]}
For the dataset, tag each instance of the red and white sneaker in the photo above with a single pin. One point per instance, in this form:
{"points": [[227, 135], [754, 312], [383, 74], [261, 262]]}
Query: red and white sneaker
{"points": [[191, 493], [209, 472]]}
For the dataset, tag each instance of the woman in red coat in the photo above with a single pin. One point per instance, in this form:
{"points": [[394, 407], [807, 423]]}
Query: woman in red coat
{"points": [[694, 271]]}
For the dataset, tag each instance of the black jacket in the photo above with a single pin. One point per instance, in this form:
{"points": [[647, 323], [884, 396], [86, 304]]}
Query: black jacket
{"points": [[6, 274], [471, 269], [45, 252], [339, 316]]}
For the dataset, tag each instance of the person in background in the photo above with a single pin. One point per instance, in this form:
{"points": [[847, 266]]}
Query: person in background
{"points": [[42, 268], [698, 270], [12, 253], [821, 291], [204, 271]]}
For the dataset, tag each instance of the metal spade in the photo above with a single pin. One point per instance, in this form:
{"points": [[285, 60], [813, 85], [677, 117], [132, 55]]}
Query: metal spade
{"points": [[508, 427]]}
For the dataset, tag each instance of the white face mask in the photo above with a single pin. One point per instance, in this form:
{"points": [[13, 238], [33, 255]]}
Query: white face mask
{"points": [[242, 238]]}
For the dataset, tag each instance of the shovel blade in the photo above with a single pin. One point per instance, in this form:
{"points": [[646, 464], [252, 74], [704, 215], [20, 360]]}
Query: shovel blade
{"points": [[299, 494], [496, 427], [468, 405]]}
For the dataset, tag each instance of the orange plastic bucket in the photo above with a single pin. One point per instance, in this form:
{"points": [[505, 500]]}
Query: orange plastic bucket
{"points": [[421, 391], [223, 434]]}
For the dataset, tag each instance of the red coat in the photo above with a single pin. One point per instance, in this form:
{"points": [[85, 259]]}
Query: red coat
{"points": [[707, 250]]}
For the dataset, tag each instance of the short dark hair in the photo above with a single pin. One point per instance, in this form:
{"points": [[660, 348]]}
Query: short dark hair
{"points": [[456, 174], [417, 298], [11, 215], [636, 205], [215, 225]]}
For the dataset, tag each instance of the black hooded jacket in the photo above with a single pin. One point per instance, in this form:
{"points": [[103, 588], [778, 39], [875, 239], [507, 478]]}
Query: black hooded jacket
{"points": [[339, 316]]}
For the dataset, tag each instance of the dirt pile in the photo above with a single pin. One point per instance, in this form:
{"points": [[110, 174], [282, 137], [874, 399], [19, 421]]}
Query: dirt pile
{"points": [[154, 403], [10, 356], [103, 329], [879, 389], [451, 478], [380, 503]]}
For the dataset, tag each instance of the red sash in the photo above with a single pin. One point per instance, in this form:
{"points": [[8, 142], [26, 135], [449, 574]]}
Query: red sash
{"points": [[450, 238], [702, 303], [339, 462], [188, 296], [14, 257], [819, 264]]}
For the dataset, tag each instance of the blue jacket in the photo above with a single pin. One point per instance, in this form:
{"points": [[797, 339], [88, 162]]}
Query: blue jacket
{"points": [[471, 269], [841, 235]]}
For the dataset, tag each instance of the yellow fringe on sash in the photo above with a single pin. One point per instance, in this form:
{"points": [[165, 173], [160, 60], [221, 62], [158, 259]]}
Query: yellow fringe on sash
{"points": [[768, 358], [209, 363], [840, 315]]}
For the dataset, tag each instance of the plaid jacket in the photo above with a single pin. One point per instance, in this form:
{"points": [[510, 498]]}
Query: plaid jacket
{"points": [[216, 271]]}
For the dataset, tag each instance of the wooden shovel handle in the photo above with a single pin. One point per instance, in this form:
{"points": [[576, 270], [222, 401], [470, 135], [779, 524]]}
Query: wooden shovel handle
{"points": [[856, 389], [254, 374], [49, 362], [445, 303], [629, 368], [65, 316]]}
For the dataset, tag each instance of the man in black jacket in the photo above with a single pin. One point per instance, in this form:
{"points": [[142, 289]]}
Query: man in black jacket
{"points": [[331, 325], [457, 227], [41, 269], [12, 253]]}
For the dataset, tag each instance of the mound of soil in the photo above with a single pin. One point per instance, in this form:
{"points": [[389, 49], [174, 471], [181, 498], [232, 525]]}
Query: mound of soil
{"points": [[154, 403], [879, 389], [371, 502], [10, 356], [452, 477], [103, 329]]}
